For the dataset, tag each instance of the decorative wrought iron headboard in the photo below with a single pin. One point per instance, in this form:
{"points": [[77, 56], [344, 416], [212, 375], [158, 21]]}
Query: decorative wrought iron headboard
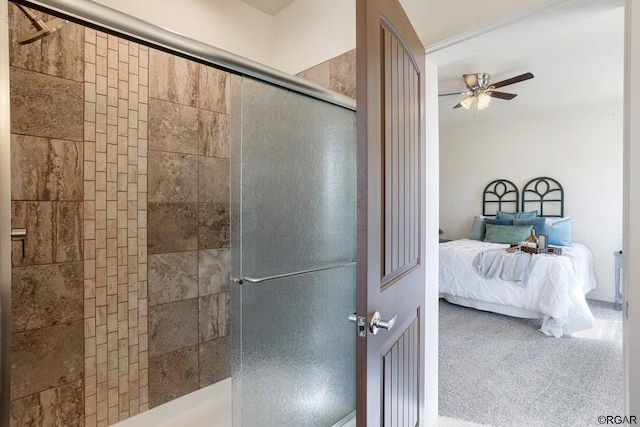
{"points": [[500, 195], [545, 195]]}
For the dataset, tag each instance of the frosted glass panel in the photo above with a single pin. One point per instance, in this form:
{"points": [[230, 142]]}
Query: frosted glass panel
{"points": [[293, 198], [298, 181], [298, 350]]}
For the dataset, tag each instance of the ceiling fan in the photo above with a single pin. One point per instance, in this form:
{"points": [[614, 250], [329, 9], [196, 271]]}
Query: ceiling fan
{"points": [[480, 90]]}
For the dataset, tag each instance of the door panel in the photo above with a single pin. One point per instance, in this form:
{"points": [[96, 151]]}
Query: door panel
{"points": [[391, 215]]}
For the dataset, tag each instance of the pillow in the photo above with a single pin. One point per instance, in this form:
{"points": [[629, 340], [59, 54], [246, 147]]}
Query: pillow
{"points": [[477, 228], [559, 232], [510, 234], [517, 215], [496, 221], [539, 224]]}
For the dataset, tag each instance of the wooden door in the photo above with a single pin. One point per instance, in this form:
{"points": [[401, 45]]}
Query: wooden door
{"points": [[391, 216]]}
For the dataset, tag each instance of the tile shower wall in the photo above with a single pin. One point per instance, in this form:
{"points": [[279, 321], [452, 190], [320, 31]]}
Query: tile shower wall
{"points": [[100, 330], [337, 74], [188, 232], [47, 369], [115, 228]]}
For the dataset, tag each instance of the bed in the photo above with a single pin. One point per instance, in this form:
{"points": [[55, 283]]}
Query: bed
{"points": [[479, 272]]}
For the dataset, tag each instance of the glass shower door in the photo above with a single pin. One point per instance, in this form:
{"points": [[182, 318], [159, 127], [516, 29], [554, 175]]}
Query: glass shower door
{"points": [[293, 259]]}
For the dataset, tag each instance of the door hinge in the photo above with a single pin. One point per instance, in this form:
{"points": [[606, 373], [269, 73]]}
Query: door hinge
{"points": [[626, 309]]}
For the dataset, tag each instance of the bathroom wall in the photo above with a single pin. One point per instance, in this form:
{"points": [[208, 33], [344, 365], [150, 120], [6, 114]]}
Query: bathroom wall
{"points": [[47, 372], [188, 226], [337, 74], [120, 175]]}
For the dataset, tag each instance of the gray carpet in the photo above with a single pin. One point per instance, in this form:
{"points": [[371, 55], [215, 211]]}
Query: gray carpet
{"points": [[502, 371]]}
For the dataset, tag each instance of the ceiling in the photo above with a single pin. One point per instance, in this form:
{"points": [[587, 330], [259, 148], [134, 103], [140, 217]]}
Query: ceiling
{"points": [[576, 58], [271, 7]]}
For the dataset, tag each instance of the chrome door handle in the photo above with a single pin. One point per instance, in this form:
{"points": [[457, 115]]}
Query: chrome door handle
{"points": [[377, 323]]}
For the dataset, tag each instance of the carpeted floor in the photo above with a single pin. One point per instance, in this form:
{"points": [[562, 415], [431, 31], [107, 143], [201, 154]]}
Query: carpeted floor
{"points": [[501, 371]]}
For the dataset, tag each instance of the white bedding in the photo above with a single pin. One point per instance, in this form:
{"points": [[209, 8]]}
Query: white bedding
{"points": [[553, 289]]}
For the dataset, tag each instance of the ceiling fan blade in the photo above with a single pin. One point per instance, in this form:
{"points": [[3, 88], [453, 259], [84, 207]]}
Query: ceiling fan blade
{"points": [[458, 105], [502, 95], [471, 80], [453, 93], [512, 80]]}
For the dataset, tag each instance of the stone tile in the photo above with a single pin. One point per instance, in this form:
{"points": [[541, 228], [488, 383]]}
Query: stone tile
{"points": [[319, 74], [213, 134], [172, 375], [54, 232], [43, 169], [214, 91], [213, 180], [35, 105], [45, 358], [343, 74], [213, 225], [173, 178], [172, 78], [173, 326], [173, 127], [214, 361], [58, 406], [172, 277], [59, 54], [63, 53], [172, 228], [213, 271], [214, 316], [46, 295]]}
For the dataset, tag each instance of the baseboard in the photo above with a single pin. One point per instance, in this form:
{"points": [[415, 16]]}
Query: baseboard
{"points": [[601, 296]]}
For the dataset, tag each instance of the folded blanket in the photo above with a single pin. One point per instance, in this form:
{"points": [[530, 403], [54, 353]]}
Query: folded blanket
{"points": [[501, 264]]}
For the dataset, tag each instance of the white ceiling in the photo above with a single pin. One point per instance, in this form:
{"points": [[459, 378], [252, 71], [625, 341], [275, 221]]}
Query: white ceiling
{"points": [[576, 58], [272, 7]]}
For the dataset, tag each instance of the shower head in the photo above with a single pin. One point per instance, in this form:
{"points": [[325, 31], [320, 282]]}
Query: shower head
{"points": [[42, 28]]}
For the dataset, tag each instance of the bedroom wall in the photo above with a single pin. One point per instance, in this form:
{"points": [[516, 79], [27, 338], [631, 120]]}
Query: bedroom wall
{"points": [[581, 147]]}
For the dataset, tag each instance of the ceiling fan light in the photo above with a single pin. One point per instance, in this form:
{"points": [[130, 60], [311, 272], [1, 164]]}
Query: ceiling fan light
{"points": [[466, 103], [483, 101]]}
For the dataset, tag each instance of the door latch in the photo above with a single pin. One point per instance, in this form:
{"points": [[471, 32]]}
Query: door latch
{"points": [[19, 234], [361, 324]]}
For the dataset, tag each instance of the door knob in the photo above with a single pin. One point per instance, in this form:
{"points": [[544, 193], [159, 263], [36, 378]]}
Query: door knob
{"points": [[377, 323]]}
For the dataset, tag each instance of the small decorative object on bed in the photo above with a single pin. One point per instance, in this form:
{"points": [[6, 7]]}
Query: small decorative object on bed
{"points": [[547, 282]]}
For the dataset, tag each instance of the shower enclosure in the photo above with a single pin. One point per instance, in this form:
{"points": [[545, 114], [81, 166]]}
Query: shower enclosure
{"points": [[185, 210]]}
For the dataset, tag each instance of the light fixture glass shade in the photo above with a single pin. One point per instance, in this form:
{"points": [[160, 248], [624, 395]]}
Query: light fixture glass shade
{"points": [[466, 103], [483, 101]]}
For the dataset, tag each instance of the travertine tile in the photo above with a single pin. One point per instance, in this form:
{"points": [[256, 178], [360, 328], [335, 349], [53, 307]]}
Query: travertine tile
{"points": [[173, 277], [173, 178], [46, 295], [343, 74], [319, 74], [214, 86], [173, 127], [214, 361], [43, 358], [213, 134], [172, 228], [214, 316], [173, 326], [172, 375], [35, 106], [58, 406], [43, 169], [213, 180], [213, 271], [172, 78], [213, 225], [63, 52], [54, 232]]}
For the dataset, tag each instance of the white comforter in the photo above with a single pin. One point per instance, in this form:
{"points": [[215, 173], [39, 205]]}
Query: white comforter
{"points": [[553, 288]]}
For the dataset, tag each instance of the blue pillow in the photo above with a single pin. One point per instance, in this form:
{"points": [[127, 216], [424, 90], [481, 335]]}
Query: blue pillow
{"points": [[510, 234], [477, 228], [517, 215], [539, 224], [559, 232], [496, 221]]}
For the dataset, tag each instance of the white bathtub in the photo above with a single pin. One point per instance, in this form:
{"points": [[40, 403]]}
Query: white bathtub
{"points": [[207, 407]]}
